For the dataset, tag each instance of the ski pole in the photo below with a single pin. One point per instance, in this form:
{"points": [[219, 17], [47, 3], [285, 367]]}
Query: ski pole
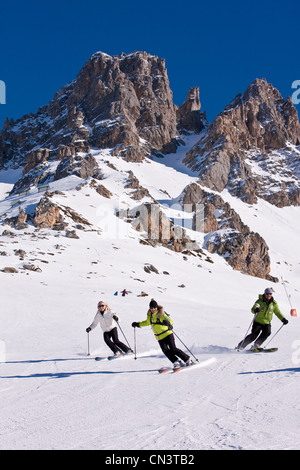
{"points": [[275, 335], [88, 341], [134, 343], [241, 346], [185, 346], [123, 335]]}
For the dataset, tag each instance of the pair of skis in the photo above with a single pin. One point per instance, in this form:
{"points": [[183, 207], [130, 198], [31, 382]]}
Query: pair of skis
{"points": [[193, 365], [174, 370], [259, 350], [165, 370], [111, 358]]}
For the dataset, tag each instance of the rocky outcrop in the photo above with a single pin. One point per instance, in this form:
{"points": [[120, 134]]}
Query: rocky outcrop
{"points": [[189, 116], [84, 167], [245, 252], [227, 235], [138, 192], [103, 191], [21, 221], [253, 127], [127, 98], [47, 214], [157, 228]]}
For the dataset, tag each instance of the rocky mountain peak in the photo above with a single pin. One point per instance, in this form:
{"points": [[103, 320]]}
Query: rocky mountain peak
{"points": [[121, 102], [125, 99], [246, 134], [266, 120]]}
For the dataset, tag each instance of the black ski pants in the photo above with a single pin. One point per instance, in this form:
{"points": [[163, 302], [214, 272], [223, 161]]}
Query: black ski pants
{"points": [[259, 334], [113, 342], [170, 350]]}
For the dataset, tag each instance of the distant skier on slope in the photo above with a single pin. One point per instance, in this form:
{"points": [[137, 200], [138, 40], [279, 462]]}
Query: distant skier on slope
{"points": [[263, 309], [107, 320], [162, 326]]}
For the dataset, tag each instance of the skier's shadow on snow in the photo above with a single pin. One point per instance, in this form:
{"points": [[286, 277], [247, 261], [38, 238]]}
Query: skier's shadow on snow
{"points": [[289, 369], [213, 349], [36, 361], [62, 359], [63, 375]]}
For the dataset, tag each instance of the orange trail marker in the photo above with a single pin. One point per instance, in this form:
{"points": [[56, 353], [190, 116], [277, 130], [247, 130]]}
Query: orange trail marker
{"points": [[293, 311]]}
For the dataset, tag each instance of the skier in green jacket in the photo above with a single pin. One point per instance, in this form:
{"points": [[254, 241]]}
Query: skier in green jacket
{"points": [[162, 326], [263, 310]]}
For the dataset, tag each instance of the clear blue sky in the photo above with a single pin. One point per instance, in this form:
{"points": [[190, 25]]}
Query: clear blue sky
{"points": [[219, 46]]}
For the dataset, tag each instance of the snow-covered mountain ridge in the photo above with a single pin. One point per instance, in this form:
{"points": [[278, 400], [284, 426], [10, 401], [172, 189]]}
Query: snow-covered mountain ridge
{"points": [[85, 215], [122, 106]]}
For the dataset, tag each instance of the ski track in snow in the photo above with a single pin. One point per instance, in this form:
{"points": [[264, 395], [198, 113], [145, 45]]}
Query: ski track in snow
{"points": [[226, 405]]}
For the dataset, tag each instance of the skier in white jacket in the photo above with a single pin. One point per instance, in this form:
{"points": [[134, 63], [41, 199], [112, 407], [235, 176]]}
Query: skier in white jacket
{"points": [[107, 320]]}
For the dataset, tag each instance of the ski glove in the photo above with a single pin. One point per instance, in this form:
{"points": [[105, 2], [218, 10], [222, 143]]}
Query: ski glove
{"points": [[116, 318], [168, 324], [88, 329], [135, 324], [284, 321]]}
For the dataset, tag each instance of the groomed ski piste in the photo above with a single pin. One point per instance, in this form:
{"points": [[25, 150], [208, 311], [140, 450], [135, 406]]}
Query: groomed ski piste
{"points": [[54, 396]]}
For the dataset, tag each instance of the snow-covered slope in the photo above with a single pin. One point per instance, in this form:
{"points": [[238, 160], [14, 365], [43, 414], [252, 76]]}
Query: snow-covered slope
{"points": [[54, 396]]}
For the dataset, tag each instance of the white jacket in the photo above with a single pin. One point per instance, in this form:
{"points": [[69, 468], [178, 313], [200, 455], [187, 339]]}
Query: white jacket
{"points": [[106, 320]]}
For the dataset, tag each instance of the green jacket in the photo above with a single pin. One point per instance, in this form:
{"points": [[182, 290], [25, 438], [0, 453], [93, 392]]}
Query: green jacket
{"points": [[156, 321], [267, 308]]}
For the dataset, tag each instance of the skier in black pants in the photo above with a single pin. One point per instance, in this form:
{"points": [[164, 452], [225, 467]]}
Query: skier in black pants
{"points": [[162, 326], [107, 320], [263, 310]]}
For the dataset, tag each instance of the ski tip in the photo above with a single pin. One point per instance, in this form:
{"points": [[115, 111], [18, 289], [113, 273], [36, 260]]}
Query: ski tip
{"points": [[266, 350], [111, 358], [164, 370], [270, 350], [193, 365]]}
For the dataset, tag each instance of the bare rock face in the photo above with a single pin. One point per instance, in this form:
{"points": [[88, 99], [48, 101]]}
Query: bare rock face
{"points": [[84, 167], [127, 98], [103, 191], [260, 118], [246, 252], [121, 102], [250, 131], [189, 116], [22, 217], [138, 192], [47, 214], [227, 235], [159, 229]]}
